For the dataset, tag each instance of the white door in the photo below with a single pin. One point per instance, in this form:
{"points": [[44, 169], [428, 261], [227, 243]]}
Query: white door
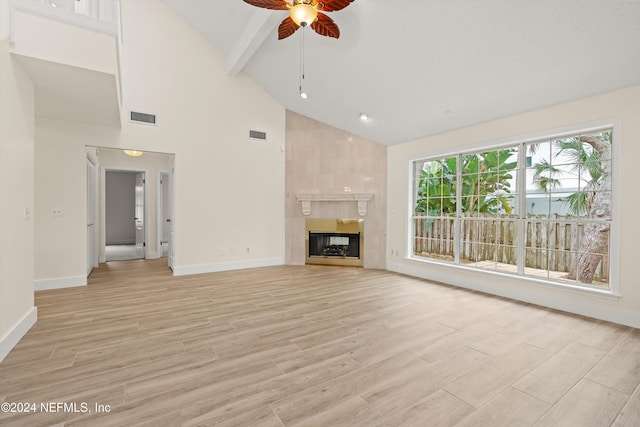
{"points": [[164, 215], [139, 211], [92, 253], [170, 216]]}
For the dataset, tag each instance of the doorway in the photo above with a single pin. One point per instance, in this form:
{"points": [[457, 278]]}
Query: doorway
{"points": [[147, 215], [125, 231]]}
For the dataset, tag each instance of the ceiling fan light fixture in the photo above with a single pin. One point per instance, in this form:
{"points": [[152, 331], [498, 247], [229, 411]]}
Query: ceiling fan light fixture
{"points": [[304, 95], [133, 153], [303, 14]]}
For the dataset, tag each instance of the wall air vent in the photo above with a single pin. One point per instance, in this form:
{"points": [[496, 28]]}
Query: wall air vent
{"points": [[143, 118], [256, 134]]}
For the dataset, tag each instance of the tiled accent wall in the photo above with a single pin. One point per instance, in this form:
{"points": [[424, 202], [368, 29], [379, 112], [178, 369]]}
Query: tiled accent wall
{"points": [[323, 159]]}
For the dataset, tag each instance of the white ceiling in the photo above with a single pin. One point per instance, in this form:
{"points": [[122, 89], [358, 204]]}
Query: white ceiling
{"points": [[421, 67]]}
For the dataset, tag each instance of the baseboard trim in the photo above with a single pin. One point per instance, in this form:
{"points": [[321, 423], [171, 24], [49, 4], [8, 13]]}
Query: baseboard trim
{"points": [[564, 300], [59, 282], [186, 270], [15, 334]]}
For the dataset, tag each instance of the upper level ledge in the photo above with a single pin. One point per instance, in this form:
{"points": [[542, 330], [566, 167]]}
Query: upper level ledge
{"points": [[360, 198]]}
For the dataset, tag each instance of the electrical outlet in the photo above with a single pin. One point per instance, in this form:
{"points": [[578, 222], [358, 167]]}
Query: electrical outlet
{"points": [[223, 252], [56, 212], [248, 249]]}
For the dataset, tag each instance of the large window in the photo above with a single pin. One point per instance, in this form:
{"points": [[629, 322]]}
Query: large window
{"points": [[537, 208]]}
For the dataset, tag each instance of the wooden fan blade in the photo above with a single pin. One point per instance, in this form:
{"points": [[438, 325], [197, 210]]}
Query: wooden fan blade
{"points": [[269, 4], [287, 28], [331, 5], [325, 26]]}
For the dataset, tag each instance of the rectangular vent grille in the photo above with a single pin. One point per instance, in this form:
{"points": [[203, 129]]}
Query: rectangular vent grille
{"points": [[143, 118], [256, 134]]}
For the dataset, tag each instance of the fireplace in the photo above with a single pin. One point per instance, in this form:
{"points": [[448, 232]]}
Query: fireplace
{"points": [[334, 241]]}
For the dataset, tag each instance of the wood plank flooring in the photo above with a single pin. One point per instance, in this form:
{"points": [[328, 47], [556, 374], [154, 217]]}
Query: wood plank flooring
{"points": [[312, 346]]}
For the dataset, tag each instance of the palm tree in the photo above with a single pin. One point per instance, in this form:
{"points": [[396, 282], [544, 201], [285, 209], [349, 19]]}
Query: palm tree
{"points": [[582, 159], [590, 159]]}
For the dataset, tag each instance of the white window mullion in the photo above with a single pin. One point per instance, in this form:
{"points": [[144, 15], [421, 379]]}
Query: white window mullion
{"points": [[457, 226], [522, 206]]}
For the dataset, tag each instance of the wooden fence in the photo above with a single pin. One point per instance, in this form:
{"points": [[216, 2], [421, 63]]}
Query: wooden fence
{"points": [[551, 244]]}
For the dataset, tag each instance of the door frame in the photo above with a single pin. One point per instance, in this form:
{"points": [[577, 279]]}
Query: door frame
{"points": [[103, 207], [172, 225], [93, 253]]}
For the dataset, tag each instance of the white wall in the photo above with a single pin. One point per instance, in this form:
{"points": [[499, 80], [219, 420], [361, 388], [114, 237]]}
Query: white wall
{"points": [[621, 107], [229, 192], [17, 312], [91, 50], [4, 19], [60, 183]]}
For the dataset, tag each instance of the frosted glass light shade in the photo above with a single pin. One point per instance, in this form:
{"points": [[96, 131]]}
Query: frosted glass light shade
{"points": [[303, 14], [133, 153]]}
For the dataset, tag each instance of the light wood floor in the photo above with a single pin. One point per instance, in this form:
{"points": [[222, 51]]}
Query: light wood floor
{"points": [[313, 346], [123, 252]]}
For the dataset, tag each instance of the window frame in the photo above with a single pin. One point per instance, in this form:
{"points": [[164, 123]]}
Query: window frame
{"points": [[521, 142]]}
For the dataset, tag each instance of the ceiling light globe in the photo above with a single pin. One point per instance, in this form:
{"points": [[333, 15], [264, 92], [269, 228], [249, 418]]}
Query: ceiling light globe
{"points": [[133, 153], [303, 14], [304, 95]]}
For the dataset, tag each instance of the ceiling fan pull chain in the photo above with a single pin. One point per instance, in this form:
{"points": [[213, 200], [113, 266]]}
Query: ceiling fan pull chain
{"points": [[303, 94]]}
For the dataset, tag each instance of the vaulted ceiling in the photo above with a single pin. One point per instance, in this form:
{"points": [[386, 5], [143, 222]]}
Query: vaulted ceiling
{"points": [[421, 67]]}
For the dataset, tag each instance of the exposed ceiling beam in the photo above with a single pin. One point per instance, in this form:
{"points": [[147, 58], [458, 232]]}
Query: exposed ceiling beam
{"points": [[261, 25]]}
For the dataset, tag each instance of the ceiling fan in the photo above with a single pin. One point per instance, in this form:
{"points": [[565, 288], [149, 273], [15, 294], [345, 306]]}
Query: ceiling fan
{"points": [[303, 13]]}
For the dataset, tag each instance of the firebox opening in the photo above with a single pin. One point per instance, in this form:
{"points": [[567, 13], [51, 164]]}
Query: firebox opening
{"points": [[335, 241], [334, 245]]}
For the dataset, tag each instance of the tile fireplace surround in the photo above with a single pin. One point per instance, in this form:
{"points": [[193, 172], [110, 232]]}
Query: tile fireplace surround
{"points": [[332, 208], [321, 162]]}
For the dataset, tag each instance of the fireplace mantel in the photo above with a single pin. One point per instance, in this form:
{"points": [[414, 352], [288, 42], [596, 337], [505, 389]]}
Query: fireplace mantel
{"points": [[360, 198]]}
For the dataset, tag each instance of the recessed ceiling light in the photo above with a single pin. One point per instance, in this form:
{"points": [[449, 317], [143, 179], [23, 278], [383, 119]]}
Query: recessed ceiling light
{"points": [[364, 117]]}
